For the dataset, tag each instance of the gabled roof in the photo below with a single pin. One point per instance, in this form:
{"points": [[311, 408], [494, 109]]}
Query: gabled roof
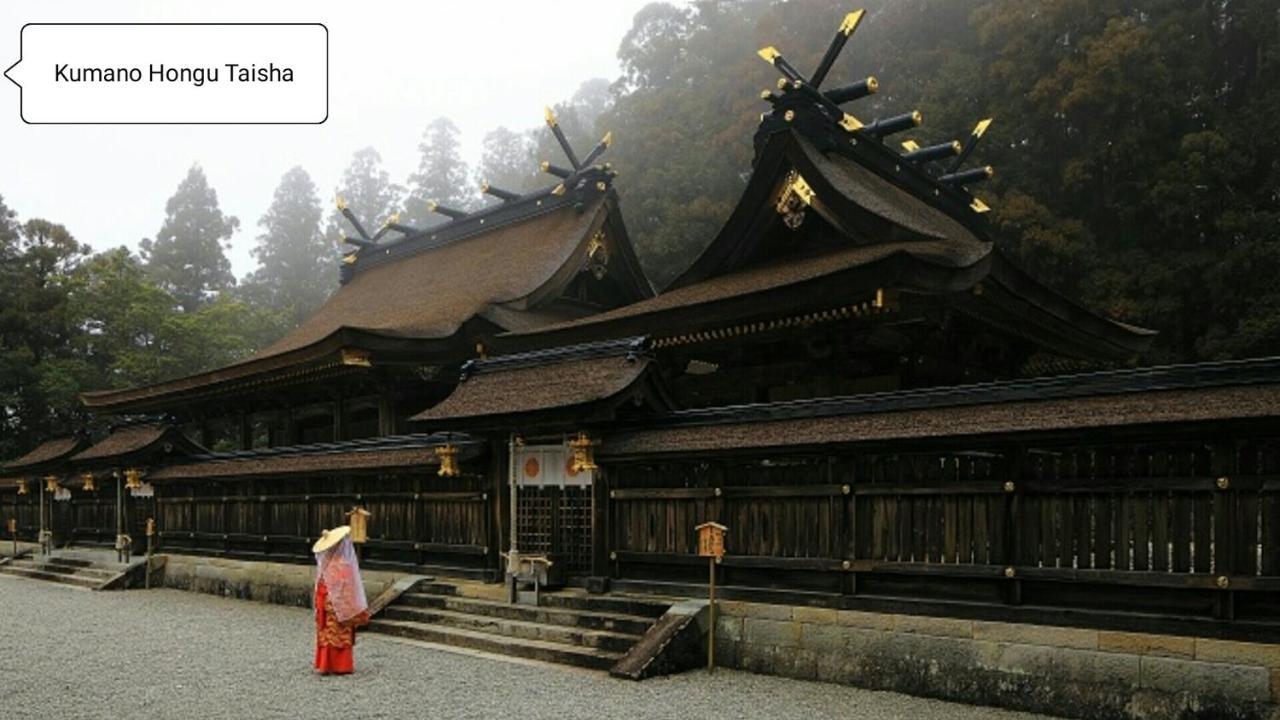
{"points": [[137, 442], [429, 289], [860, 231], [501, 267], [584, 383], [46, 454]]}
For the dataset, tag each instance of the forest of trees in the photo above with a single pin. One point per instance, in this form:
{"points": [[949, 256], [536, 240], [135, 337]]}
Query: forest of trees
{"points": [[1136, 147]]}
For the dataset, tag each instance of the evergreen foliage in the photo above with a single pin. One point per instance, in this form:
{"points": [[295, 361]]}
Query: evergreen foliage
{"points": [[293, 258], [442, 176], [369, 193], [1136, 146], [187, 257]]}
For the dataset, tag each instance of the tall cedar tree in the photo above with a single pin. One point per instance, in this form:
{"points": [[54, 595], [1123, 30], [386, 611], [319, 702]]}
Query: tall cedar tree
{"points": [[508, 161], [369, 193], [187, 258], [442, 176], [295, 265], [39, 372]]}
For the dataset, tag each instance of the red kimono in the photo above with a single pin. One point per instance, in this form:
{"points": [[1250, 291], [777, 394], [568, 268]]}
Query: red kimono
{"points": [[334, 640]]}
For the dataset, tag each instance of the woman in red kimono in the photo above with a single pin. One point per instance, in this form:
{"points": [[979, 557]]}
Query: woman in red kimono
{"points": [[340, 602]]}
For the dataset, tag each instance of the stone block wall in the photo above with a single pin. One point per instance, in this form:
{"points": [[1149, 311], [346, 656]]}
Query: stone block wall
{"points": [[279, 583], [1056, 670]]}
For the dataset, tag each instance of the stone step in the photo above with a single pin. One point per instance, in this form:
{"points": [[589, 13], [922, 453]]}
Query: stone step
{"points": [[60, 578], [55, 566], [428, 587], [68, 561], [568, 617], [601, 639], [586, 657], [618, 604]]}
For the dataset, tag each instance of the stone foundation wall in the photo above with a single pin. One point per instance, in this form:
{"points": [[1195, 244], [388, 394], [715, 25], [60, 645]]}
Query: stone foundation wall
{"points": [[1060, 671], [279, 583]]}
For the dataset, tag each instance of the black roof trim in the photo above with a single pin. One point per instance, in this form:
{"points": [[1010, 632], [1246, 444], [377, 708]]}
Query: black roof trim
{"points": [[632, 348], [813, 123], [580, 188], [1111, 382]]}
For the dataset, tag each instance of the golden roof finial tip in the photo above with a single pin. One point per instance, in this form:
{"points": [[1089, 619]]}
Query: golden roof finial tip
{"points": [[851, 21], [770, 54]]}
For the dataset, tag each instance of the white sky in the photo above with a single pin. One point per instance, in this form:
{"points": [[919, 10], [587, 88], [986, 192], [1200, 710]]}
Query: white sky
{"points": [[393, 67]]}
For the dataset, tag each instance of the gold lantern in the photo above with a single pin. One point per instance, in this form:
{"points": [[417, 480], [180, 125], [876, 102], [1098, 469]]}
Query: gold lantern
{"points": [[133, 479], [51, 483], [358, 519], [584, 454], [448, 457], [90, 484], [22, 487]]}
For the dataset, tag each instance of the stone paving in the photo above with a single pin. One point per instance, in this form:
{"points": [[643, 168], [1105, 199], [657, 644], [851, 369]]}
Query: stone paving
{"points": [[69, 653]]}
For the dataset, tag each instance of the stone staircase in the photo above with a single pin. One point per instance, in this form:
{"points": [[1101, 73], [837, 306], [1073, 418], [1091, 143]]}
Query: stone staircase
{"points": [[570, 627], [80, 572]]}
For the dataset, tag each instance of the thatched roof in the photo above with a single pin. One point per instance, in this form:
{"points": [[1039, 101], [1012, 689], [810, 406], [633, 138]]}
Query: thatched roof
{"points": [[47, 452], [1238, 390], [532, 389], [861, 232], [134, 441], [426, 290]]}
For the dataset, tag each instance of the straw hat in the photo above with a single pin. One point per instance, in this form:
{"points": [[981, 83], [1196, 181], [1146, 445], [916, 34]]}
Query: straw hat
{"points": [[329, 538]]}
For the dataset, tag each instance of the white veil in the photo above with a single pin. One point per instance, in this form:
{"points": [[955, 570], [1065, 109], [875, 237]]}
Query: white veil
{"points": [[340, 570]]}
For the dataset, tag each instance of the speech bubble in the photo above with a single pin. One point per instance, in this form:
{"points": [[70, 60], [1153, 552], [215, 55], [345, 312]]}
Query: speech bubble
{"points": [[173, 73]]}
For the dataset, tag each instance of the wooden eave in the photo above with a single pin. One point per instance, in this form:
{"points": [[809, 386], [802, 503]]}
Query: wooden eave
{"points": [[137, 444], [1245, 391], [46, 457], [896, 239], [396, 453], [320, 360], [573, 386]]}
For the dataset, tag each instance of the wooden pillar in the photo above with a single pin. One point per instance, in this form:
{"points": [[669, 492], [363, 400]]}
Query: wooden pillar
{"points": [[1222, 465], [206, 432], [499, 464], [246, 430], [386, 414], [600, 546], [339, 420], [290, 427], [1014, 506]]}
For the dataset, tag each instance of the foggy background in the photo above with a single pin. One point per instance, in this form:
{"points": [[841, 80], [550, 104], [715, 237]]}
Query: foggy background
{"points": [[393, 67]]}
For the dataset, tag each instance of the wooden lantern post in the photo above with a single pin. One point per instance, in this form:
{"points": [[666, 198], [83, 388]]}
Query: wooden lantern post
{"points": [[711, 546], [151, 531], [358, 519]]}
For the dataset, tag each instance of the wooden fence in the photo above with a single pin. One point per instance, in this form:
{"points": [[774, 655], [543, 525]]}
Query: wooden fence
{"points": [[417, 519], [1181, 532]]}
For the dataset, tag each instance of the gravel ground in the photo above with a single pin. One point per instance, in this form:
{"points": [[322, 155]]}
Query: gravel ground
{"points": [[67, 653]]}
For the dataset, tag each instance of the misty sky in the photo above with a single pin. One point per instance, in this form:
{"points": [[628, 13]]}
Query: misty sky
{"points": [[393, 67]]}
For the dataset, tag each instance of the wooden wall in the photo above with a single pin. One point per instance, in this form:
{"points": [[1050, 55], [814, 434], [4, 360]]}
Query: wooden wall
{"points": [[418, 519], [1186, 532], [26, 508]]}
